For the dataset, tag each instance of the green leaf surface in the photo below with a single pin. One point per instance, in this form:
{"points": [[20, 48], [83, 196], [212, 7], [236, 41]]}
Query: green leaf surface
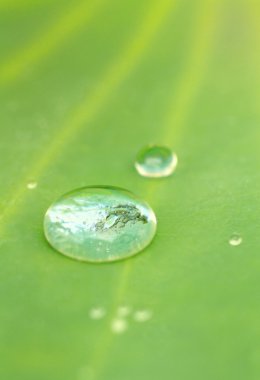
{"points": [[83, 86]]}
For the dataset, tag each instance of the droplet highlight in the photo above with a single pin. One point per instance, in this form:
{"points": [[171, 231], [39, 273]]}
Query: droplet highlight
{"points": [[235, 240], [99, 224], [156, 161]]}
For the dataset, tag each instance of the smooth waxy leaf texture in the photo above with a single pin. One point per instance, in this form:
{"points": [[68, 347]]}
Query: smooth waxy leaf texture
{"points": [[84, 85]]}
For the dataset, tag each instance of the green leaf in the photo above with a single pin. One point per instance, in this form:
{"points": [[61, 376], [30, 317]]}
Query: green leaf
{"points": [[84, 85]]}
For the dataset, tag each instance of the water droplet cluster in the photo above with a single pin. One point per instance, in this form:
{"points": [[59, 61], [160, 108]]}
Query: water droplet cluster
{"points": [[120, 321]]}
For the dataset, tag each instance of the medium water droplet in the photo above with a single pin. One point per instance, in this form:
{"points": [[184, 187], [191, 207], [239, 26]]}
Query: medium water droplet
{"points": [[99, 224], [118, 326], [142, 315], [97, 313], [235, 240], [32, 185], [156, 161]]}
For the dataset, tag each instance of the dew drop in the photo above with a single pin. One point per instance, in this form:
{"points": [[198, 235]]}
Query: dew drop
{"points": [[156, 161], [142, 315], [118, 326], [97, 313], [235, 240], [99, 224], [32, 185]]}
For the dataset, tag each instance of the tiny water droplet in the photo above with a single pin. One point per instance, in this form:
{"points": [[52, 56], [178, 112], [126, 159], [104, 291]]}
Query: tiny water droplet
{"points": [[123, 311], [32, 185], [99, 224], [156, 161], [97, 313], [235, 240], [142, 315], [118, 326]]}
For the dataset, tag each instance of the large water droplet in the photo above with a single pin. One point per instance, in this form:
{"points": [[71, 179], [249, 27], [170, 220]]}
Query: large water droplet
{"points": [[99, 224], [156, 161]]}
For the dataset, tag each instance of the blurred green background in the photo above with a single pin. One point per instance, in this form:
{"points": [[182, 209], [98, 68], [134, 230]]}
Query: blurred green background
{"points": [[83, 86]]}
